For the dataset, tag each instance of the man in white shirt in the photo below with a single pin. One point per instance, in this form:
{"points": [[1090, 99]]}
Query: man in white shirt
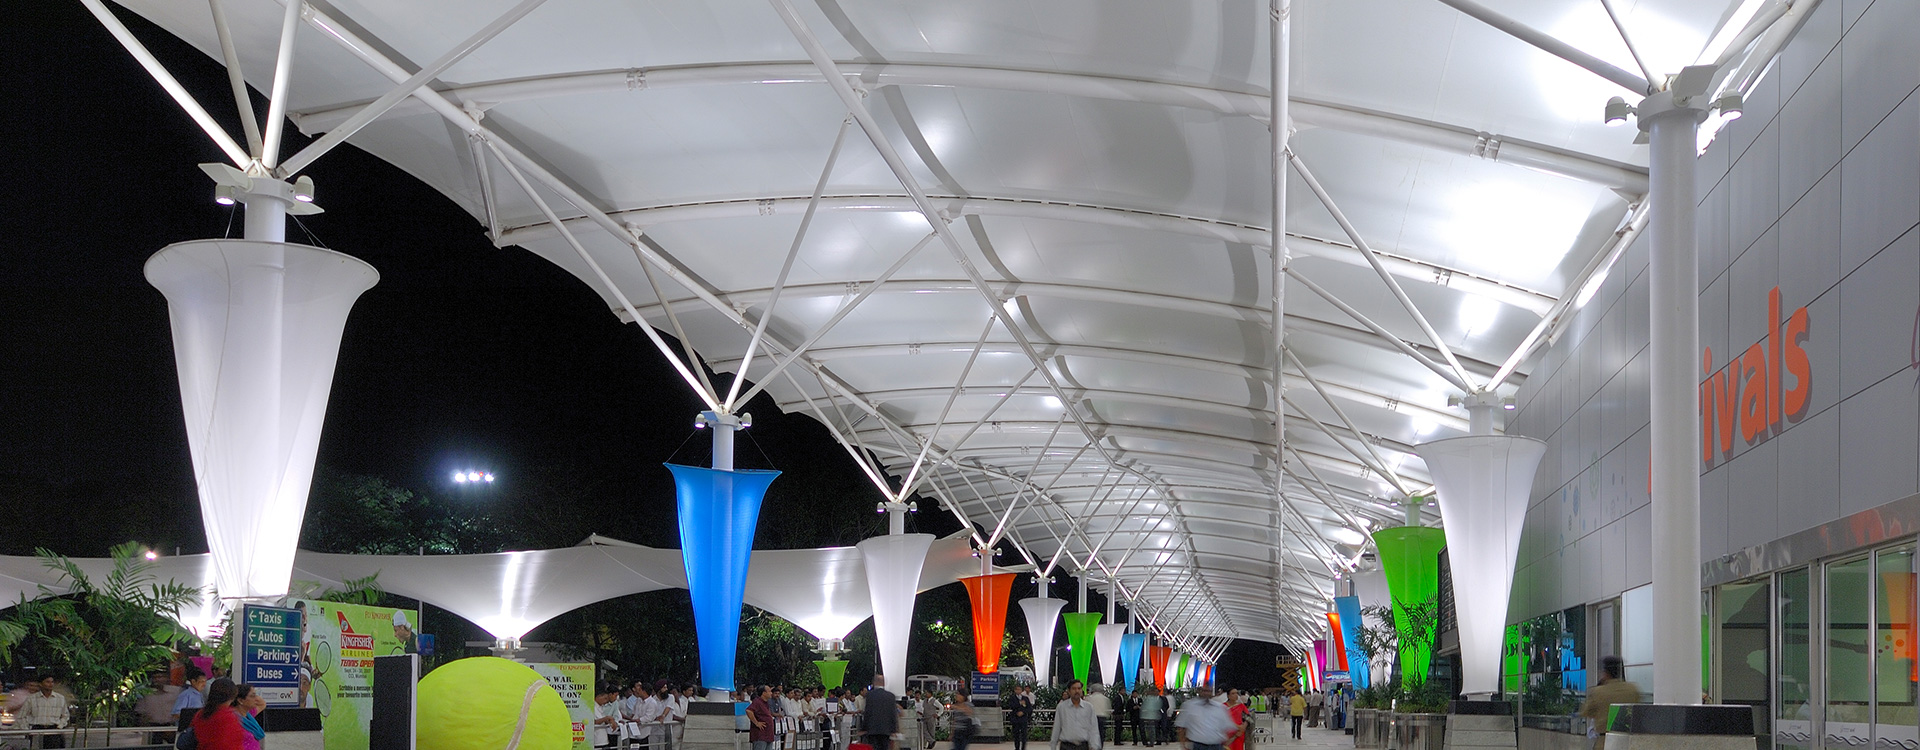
{"points": [[1205, 724], [1102, 708], [1074, 724], [606, 712], [652, 710], [677, 701], [46, 710], [637, 714], [1316, 700]]}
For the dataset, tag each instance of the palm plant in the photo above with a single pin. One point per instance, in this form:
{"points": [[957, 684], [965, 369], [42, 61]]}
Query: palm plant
{"points": [[108, 633]]}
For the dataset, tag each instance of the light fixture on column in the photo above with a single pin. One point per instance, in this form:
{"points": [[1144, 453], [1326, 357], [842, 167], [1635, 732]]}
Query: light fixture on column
{"points": [[225, 195], [1617, 111], [1731, 106], [303, 189]]}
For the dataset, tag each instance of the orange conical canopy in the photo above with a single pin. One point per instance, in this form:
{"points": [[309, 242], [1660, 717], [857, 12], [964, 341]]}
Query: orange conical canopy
{"points": [[989, 595]]}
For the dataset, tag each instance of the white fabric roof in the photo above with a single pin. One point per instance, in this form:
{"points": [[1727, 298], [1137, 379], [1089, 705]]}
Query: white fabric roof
{"points": [[1106, 167], [510, 593]]}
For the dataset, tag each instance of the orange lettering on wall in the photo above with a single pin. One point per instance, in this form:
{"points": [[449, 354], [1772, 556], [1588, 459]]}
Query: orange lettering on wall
{"points": [[1773, 357], [1706, 406], [1750, 393], [1724, 397], [1797, 365], [1754, 393]]}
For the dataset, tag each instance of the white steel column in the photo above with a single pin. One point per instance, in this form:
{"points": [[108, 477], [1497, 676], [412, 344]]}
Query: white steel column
{"points": [[1674, 323], [723, 426], [1281, 125], [266, 215]]}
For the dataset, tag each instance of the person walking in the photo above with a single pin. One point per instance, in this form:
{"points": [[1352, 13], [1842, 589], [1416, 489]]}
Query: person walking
{"points": [[881, 714], [1123, 716], [1611, 691], [1074, 726], [929, 710], [962, 716], [1102, 708], [1019, 716], [1150, 707], [1205, 724], [1297, 710], [1240, 712], [1315, 702]]}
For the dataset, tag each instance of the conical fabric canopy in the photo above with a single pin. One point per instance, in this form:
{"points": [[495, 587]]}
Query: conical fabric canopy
{"points": [[833, 674], [1483, 482], [1042, 614], [718, 512], [1131, 645], [1410, 557], [989, 595], [1080, 627], [1158, 656], [256, 332], [1106, 642], [893, 571]]}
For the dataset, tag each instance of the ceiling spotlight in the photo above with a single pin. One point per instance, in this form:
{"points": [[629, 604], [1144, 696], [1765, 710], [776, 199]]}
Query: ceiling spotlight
{"points": [[1731, 106], [303, 189], [746, 420], [488, 476], [1507, 403], [460, 477], [225, 195], [1617, 111]]}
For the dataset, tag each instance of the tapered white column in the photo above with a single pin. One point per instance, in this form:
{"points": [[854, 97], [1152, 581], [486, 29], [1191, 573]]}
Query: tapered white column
{"points": [[256, 332], [1043, 616], [893, 576], [1674, 323]]}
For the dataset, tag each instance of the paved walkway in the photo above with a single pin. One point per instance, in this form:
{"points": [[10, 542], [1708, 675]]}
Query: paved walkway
{"points": [[1309, 738]]}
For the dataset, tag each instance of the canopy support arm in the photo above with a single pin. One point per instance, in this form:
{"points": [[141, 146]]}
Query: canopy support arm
{"points": [[234, 152], [793, 253]]}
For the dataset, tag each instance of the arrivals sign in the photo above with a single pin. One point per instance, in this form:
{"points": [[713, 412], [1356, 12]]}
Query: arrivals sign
{"points": [[270, 651], [1750, 394]]}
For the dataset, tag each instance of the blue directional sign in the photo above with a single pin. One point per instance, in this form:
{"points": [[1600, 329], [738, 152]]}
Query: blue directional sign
{"points": [[269, 652]]}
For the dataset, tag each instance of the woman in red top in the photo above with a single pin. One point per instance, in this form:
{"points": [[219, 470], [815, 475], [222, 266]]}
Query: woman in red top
{"points": [[216, 726], [1238, 709]]}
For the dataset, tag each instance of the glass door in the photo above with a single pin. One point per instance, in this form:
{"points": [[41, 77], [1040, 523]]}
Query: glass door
{"points": [[1895, 670], [1744, 640], [1849, 654], [1793, 681]]}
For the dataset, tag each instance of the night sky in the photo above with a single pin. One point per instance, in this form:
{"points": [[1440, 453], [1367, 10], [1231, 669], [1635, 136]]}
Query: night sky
{"points": [[463, 356]]}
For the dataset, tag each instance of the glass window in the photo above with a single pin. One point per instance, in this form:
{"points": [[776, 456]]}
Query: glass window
{"points": [[1745, 643], [1793, 717], [1894, 666], [1849, 656]]}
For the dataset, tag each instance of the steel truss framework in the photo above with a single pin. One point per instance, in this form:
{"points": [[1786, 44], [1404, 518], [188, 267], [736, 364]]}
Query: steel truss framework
{"points": [[1209, 463]]}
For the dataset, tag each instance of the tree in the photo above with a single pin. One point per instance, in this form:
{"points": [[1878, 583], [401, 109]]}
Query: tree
{"points": [[109, 633]]}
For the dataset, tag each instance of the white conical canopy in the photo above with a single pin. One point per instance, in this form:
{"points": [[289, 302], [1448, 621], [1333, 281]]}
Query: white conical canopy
{"points": [[893, 575], [256, 329], [1106, 645], [1042, 615], [1483, 482]]}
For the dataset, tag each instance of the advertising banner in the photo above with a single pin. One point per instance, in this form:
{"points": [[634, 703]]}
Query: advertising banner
{"points": [[574, 682], [336, 664], [270, 653]]}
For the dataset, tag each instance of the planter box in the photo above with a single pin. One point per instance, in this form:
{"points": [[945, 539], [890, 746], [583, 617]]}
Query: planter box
{"points": [[1370, 728], [1419, 731]]}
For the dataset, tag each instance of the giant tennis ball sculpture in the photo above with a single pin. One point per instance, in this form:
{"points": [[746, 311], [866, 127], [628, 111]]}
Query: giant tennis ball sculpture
{"points": [[489, 703]]}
